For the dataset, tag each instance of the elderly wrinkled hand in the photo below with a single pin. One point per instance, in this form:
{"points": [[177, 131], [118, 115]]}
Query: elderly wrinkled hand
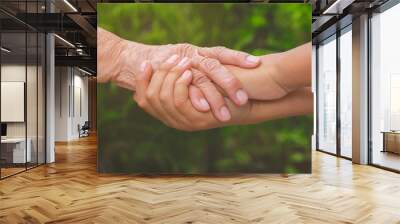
{"points": [[120, 61]]}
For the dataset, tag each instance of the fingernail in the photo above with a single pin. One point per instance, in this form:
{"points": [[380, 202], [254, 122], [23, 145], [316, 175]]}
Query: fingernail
{"points": [[173, 58], [186, 74], [225, 115], [241, 95], [183, 61], [252, 59], [143, 66], [204, 104]]}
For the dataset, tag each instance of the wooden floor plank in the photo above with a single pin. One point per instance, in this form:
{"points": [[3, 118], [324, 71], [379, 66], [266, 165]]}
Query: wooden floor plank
{"points": [[70, 191]]}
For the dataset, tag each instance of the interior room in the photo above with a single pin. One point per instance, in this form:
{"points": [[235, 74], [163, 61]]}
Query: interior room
{"points": [[22, 99], [48, 150], [45, 88], [334, 62], [356, 83], [385, 89]]}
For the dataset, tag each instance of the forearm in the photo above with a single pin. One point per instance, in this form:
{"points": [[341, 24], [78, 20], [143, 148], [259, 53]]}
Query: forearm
{"points": [[277, 75], [118, 60], [293, 67], [296, 103]]}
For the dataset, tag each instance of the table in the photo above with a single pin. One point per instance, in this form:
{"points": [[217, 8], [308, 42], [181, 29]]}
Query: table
{"points": [[391, 141]]}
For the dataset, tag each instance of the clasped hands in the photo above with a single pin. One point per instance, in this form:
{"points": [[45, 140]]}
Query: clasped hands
{"points": [[192, 88]]}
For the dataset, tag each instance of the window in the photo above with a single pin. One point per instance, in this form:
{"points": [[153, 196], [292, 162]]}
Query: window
{"points": [[385, 89], [327, 95], [346, 92]]}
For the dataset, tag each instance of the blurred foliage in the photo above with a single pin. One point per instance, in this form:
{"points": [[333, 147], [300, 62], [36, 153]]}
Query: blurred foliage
{"points": [[130, 141]]}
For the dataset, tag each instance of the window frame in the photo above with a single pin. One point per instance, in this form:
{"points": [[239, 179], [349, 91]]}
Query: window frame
{"points": [[345, 24]]}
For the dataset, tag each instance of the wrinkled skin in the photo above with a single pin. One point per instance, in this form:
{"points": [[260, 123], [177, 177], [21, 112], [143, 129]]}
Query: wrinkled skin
{"points": [[204, 93]]}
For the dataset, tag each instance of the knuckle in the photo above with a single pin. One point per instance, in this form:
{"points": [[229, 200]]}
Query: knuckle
{"points": [[179, 102], [210, 64], [142, 103], [150, 95], [200, 79], [219, 50], [185, 49], [164, 98], [139, 101]]}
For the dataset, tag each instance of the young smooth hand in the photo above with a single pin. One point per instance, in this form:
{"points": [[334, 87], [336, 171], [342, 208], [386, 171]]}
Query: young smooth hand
{"points": [[278, 74]]}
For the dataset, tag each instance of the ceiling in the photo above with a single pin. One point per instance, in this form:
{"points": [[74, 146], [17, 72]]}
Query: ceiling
{"points": [[74, 22], [331, 15]]}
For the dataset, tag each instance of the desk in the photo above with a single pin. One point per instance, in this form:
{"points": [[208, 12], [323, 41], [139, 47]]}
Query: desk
{"points": [[14, 150], [391, 141]]}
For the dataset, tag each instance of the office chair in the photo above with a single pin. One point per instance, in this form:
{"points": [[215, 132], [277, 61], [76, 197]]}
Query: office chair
{"points": [[84, 130]]}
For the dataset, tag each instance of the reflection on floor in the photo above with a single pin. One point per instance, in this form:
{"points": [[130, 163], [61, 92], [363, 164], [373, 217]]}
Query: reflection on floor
{"points": [[387, 159], [70, 191], [10, 170]]}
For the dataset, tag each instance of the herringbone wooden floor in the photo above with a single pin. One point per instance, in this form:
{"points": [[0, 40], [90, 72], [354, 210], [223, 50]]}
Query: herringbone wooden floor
{"points": [[70, 191]]}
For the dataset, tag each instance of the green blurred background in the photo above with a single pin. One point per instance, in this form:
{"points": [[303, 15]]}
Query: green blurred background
{"points": [[130, 141]]}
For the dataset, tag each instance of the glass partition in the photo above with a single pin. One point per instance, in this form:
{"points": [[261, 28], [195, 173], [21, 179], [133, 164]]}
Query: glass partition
{"points": [[13, 105], [385, 89], [346, 92], [327, 95], [22, 92]]}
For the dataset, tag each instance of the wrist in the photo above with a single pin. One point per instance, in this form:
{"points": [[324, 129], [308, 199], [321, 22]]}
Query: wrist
{"points": [[275, 72], [293, 68], [130, 57], [107, 55]]}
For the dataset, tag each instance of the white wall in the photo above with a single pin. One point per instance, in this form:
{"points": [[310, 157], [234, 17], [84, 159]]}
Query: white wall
{"points": [[71, 87], [61, 103], [16, 73], [80, 100], [33, 127]]}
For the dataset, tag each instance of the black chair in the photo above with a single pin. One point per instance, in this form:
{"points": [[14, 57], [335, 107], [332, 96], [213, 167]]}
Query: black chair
{"points": [[84, 130]]}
